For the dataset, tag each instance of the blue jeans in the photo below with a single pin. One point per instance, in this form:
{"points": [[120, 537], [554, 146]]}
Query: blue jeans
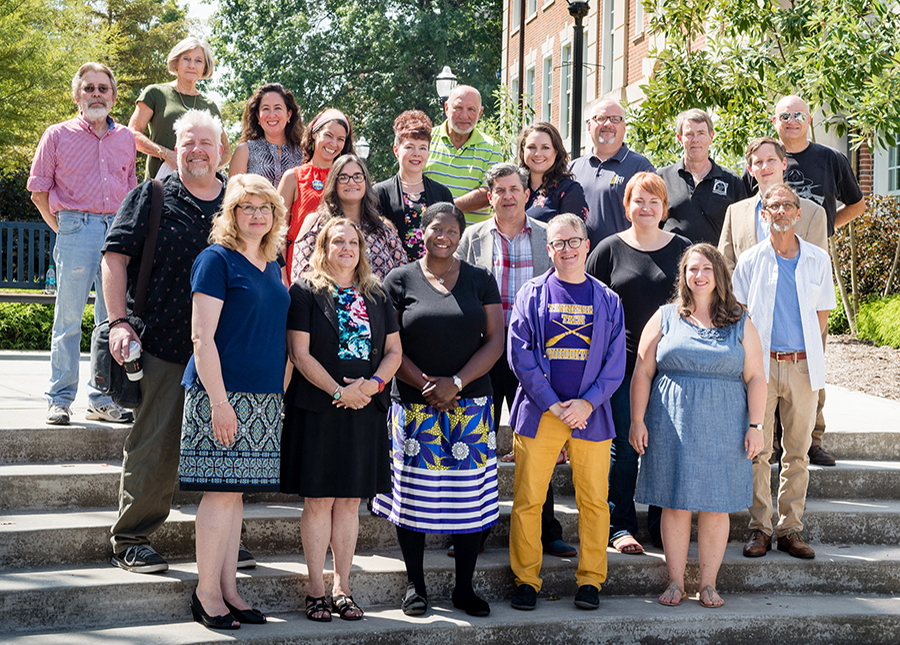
{"points": [[623, 466], [77, 258]]}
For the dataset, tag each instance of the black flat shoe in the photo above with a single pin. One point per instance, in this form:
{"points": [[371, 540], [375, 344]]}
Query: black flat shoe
{"points": [[413, 603], [213, 622], [472, 605], [250, 616]]}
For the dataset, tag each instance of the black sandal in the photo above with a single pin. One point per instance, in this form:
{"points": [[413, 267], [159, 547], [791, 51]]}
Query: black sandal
{"points": [[413, 603], [345, 605], [318, 606]]}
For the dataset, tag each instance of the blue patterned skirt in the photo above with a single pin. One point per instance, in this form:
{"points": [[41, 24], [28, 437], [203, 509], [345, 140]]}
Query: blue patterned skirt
{"points": [[444, 468], [251, 464]]}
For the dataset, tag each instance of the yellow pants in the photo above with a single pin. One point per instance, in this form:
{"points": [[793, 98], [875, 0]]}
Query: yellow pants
{"points": [[535, 460]]}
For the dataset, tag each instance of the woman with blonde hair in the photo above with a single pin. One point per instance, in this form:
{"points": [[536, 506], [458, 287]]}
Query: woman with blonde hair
{"points": [[159, 106], [231, 434], [344, 343]]}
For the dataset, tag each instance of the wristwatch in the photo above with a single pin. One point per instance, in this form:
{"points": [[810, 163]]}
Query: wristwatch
{"points": [[457, 382], [337, 393], [380, 383], [758, 426]]}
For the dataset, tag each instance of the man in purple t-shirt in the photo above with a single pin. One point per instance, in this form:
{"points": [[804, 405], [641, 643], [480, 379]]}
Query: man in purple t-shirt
{"points": [[567, 348]]}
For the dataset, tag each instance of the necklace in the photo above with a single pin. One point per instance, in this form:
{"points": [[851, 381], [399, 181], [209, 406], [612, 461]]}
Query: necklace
{"points": [[181, 98], [440, 279]]}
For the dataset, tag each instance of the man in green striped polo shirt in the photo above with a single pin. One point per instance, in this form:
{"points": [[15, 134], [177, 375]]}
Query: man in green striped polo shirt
{"points": [[461, 154]]}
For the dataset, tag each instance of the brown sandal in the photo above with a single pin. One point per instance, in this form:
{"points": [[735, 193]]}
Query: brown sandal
{"points": [[710, 604], [627, 541], [676, 593]]}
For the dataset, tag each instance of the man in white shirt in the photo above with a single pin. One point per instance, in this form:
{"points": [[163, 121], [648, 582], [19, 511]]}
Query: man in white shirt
{"points": [[786, 284]]}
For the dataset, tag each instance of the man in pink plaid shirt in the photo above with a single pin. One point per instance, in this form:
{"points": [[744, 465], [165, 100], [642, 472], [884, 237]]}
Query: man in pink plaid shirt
{"points": [[81, 172]]}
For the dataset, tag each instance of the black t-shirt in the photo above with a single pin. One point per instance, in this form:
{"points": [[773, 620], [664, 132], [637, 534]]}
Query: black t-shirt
{"points": [[183, 232], [698, 212], [643, 280], [820, 174], [441, 331]]}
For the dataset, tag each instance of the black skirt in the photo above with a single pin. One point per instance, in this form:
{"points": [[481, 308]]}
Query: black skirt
{"points": [[337, 452]]}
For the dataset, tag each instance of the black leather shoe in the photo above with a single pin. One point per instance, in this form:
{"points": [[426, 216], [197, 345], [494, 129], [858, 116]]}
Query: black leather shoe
{"points": [[250, 616], [472, 605], [525, 598], [588, 597], [819, 457], [560, 549], [213, 622]]}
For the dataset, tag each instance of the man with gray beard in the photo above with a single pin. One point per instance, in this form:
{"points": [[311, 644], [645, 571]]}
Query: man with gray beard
{"points": [[82, 170], [190, 199], [785, 282]]}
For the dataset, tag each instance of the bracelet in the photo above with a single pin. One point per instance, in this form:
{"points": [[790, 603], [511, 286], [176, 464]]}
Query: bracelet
{"points": [[220, 402], [117, 321]]}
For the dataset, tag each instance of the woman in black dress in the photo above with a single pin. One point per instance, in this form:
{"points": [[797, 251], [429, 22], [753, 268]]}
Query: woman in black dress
{"points": [[344, 343]]}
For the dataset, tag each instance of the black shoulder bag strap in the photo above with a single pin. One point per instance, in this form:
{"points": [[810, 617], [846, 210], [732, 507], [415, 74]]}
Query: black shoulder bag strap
{"points": [[143, 281]]}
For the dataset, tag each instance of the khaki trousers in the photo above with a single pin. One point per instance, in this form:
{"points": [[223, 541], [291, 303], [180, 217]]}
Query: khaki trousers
{"points": [[790, 391], [150, 463], [535, 460], [819, 428]]}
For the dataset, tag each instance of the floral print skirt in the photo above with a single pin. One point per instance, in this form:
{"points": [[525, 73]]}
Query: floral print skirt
{"points": [[444, 468]]}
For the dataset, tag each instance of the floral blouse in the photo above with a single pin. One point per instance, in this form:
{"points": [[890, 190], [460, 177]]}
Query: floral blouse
{"points": [[412, 239], [355, 335]]}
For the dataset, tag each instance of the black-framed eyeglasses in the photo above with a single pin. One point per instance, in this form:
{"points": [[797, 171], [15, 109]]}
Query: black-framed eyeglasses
{"points": [[600, 119], [799, 117], [89, 89], [357, 178], [250, 209], [572, 243], [787, 207]]}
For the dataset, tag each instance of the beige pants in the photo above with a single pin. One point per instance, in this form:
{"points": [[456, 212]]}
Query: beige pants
{"points": [[789, 389], [819, 428]]}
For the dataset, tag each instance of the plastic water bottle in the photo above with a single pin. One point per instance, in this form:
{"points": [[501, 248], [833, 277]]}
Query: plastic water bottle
{"points": [[50, 281]]}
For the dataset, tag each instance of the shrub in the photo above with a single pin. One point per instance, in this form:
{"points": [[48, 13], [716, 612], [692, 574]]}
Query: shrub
{"points": [[877, 231], [27, 326], [837, 318], [878, 320]]}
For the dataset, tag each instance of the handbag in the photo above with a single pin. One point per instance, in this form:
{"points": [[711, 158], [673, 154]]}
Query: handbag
{"points": [[109, 376]]}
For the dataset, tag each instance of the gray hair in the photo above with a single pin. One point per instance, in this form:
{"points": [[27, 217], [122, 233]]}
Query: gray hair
{"points": [[568, 219], [91, 67], [777, 187], [186, 45], [198, 119], [693, 115], [499, 170]]}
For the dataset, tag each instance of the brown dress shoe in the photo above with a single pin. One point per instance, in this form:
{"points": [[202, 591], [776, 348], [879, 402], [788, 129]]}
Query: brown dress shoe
{"points": [[795, 546], [758, 544], [819, 457]]}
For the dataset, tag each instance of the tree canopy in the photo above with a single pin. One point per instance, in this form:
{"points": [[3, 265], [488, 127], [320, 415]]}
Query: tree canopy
{"points": [[371, 58], [841, 56]]}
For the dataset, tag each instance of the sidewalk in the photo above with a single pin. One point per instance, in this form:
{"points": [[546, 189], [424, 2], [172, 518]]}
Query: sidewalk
{"points": [[24, 377]]}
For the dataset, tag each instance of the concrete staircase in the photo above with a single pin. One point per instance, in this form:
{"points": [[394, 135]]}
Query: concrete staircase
{"points": [[58, 491]]}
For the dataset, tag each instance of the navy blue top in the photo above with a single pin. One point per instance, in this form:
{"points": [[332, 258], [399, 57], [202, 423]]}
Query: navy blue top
{"points": [[604, 189], [567, 196], [250, 337]]}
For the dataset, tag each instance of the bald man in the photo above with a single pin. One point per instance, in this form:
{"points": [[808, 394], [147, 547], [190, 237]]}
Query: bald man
{"points": [[604, 172], [461, 154]]}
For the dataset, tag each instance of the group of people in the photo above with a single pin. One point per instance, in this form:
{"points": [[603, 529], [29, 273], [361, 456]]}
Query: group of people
{"points": [[311, 332]]}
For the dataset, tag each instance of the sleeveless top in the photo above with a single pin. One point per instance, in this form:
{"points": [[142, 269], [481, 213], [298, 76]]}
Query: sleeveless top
{"points": [[263, 159]]}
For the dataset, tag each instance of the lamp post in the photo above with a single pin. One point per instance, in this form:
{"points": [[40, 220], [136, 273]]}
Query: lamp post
{"points": [[362, 148], [577, 10], [444, 83]]}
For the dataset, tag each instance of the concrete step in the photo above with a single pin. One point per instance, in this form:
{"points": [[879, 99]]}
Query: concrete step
{"points": [[96, 485], [82, 597], [35, 539], [760, 618]]}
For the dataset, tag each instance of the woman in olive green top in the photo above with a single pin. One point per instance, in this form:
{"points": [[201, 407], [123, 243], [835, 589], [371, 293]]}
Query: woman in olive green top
{"points": [[159, 106]]}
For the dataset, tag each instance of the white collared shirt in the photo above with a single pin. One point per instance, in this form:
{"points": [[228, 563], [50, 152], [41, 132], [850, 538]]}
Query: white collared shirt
{"points": [[755, 281]]}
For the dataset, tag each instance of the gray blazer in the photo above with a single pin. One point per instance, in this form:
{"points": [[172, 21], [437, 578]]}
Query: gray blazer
{"points": [[477, 246]]}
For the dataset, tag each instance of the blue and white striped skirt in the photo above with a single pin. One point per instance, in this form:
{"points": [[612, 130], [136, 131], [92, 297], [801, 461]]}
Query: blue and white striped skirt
{"points": [[443, 468]]}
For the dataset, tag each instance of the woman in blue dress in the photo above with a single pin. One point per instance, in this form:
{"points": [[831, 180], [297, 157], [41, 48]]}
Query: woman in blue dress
{"points": [[231, 434], [698, 396]]}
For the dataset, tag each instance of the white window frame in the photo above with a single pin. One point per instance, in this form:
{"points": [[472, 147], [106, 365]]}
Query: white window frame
{"points": [[547, 89], [565, 90]]}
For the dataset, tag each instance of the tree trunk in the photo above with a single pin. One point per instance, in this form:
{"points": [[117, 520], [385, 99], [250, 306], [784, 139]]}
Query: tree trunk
{"points": [[836, 263]]}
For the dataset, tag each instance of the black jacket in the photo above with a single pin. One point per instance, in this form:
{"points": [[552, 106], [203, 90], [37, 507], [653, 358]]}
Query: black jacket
{"points": [[390, 198]]}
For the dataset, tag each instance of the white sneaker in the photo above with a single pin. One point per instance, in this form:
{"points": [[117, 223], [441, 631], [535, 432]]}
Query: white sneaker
{"points": [[58, 414], [109, 412]]}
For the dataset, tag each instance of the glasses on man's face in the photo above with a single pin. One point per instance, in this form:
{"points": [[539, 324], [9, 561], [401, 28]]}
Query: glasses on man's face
{"points": [[787, 207], [356, 177], [600, 119], [798, 116], [250, 209], [89, 89], [572, 243]]}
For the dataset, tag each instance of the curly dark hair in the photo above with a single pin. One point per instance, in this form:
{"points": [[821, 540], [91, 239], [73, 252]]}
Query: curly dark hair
{"points": [[725, 309], [412, 124], [560, 168], [370, 219], [250, 127], [308, 142]]}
